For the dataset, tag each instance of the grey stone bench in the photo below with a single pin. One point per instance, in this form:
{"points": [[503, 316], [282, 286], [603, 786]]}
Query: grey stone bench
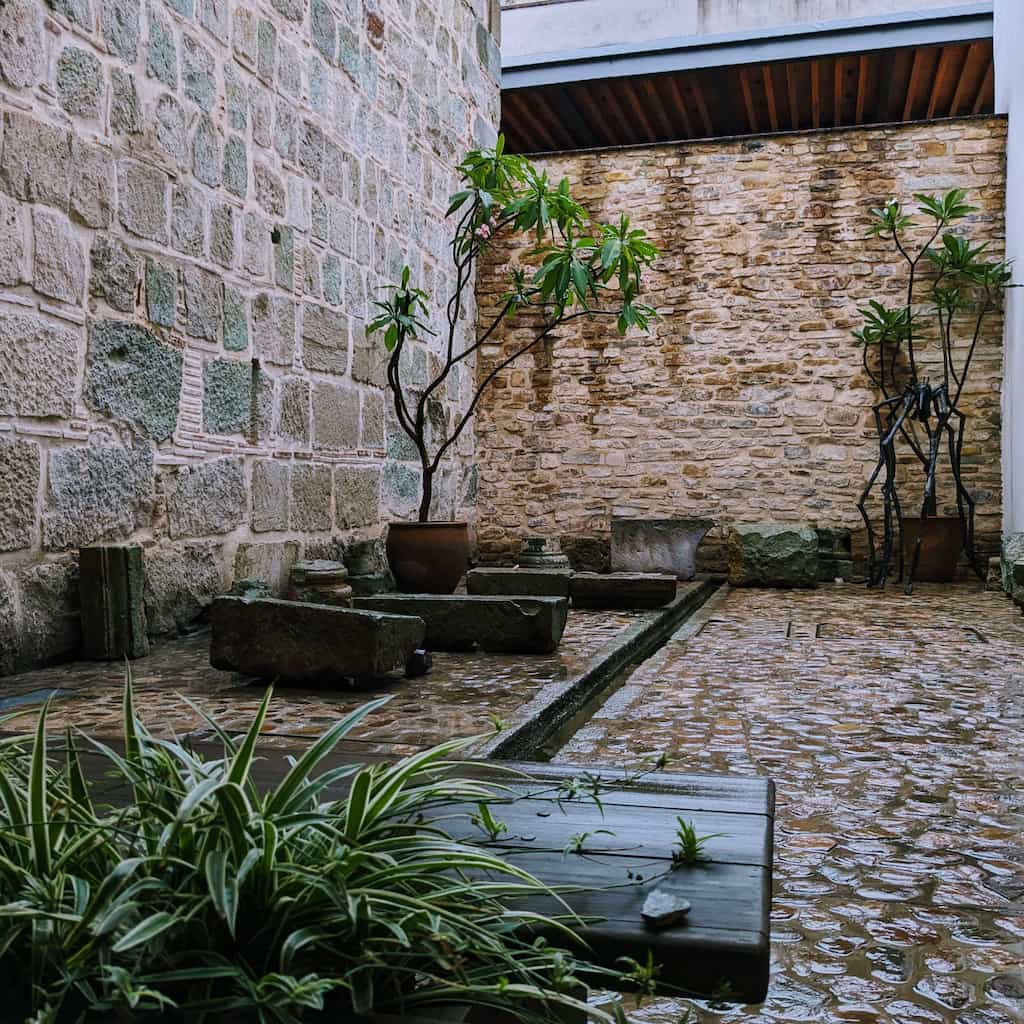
{"points": [[502, 582], [501, 625], [622, 590], [313, 644]]}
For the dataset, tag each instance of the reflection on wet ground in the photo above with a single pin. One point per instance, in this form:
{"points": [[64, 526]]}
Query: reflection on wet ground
{"points": [[458, 698], [892, 726]]}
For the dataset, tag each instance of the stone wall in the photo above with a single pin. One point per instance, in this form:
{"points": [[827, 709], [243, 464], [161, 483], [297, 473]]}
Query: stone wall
{"points": [[198, 200], [747, 401]]}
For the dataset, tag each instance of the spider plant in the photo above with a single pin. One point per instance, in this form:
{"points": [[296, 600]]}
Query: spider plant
{"points": [[200, 896], [690, 847]]}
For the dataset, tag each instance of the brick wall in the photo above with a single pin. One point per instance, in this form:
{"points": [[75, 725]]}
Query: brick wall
{"points": [[746, 402], [198, 199]]}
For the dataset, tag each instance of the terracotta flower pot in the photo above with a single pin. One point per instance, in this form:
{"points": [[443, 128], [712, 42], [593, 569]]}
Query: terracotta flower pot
{"points": [[941, 547], [428, 558]]}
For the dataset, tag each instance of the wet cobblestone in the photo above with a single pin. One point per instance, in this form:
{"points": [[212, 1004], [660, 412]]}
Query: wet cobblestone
{"points": [[892, 727], [457, 698]]}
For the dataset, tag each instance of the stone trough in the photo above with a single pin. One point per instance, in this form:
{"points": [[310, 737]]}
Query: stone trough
{"points": [[622, 590], [499, 625], [312, 644], [496, 581]]}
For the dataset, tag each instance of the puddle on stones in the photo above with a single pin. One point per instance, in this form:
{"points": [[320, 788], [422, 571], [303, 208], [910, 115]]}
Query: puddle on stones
{"points": [[460, 697], [895, 737]]}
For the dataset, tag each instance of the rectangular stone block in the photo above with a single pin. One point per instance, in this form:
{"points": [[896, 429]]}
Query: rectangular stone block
{"points": [[502, 582], [38, 367], [622, 590], [111, 585], [500, 625], [313, 644], [270, 562], [19, 482], [773, 555]]}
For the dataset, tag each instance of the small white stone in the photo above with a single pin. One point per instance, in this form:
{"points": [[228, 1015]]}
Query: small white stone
{"points": [[663, 909]]}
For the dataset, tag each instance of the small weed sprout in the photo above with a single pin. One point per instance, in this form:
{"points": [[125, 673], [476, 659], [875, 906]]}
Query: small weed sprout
{"points": [[643, 975], [690, 846], [487, 823], [578, 841], [498, 724]]}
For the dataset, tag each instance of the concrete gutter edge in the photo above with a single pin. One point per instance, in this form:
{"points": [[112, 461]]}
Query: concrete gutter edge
{"points": [[559, 701]]}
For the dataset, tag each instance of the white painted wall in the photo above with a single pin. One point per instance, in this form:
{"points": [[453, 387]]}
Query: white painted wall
{"points": [[1009, 35], [581, 24]]}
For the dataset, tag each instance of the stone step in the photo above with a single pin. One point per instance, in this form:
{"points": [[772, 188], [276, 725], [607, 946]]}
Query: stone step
{"points": [[622, 589], [493, 581], [500, 625], [314, 644]]}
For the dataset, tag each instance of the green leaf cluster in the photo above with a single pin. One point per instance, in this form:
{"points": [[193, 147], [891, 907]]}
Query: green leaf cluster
{"points": [[960, 279], [199, 896], [582, 265]]}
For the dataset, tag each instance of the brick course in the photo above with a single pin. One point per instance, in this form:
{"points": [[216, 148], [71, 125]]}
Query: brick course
{"points": [[747, 401]]}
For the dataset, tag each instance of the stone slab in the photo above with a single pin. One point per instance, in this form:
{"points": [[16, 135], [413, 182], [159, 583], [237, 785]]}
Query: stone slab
{"points": [[312, 644], [658, 545], [622, 589], [500, 625], [1012, 561], [111, 585], [504, 582], [773, 555]]}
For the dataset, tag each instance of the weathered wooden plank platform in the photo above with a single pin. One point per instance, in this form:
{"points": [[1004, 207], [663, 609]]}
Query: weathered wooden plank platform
{"points": [[724, 945]]}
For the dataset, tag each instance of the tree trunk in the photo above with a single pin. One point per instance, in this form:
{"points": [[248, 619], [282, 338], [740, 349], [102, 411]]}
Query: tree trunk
{"points": [[426, 493]]}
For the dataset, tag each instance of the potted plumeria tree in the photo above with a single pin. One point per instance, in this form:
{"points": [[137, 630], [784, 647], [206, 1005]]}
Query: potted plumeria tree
{"points": [[951, 287], [581, 269]]}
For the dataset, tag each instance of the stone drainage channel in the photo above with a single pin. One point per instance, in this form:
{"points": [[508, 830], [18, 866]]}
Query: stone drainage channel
{"points": [[564, 706]]}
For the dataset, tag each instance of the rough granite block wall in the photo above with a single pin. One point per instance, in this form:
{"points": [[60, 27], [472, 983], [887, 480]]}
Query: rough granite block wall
{"points": [[198, 201], [747, 401]]}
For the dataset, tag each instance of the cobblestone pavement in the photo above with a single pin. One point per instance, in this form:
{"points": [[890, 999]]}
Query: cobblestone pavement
{"points": [[892, 726], [457, 698]]}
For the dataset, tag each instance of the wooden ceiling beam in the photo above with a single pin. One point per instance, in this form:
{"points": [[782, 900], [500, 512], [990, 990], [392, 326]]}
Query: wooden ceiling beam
{"points": [[794, 103], [560, 127], [769, 95], [565, 108], [916, 70], [546, 118], [680, 104], [529, 128], [582, 97], [939, 81], [650, 135], [748, 100], [626, 123], [702, 107], [815, 94], [837, 92], [667, 128], [974, 54], [984, 90], [862, 88]]}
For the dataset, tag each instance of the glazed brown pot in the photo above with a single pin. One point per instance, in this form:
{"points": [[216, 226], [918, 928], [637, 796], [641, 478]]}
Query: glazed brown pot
{"points": [[940, 548], [428, 558]]}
